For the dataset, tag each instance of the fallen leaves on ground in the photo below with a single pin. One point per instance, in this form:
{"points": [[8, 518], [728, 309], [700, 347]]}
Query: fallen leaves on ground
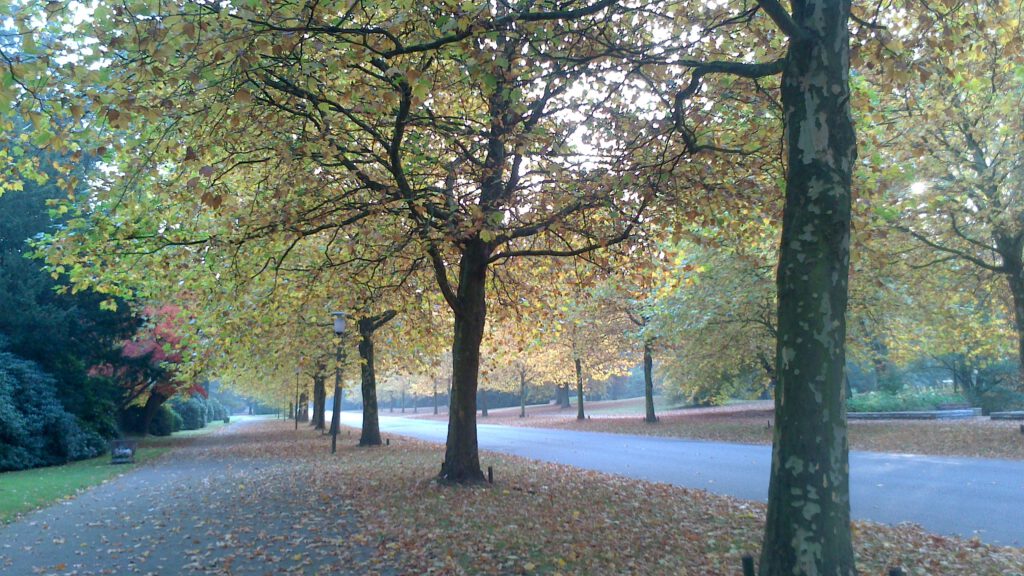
{"points": [[551, 519], [277, 502]]}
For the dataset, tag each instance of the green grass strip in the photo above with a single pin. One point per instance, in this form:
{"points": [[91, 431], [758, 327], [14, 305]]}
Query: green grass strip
{"points": [[27, 490]]}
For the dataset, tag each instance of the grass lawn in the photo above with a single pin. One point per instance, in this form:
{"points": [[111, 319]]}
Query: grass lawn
{"points": [[27, 490], [751, 423], [632, 406], [979, 437]]}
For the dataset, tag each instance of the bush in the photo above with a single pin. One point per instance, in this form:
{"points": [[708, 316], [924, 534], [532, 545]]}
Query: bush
{"points": [[997, 399], [35, 430], [193, 413], [178, 423], [163, 421], [909, 399], [216, 410]]}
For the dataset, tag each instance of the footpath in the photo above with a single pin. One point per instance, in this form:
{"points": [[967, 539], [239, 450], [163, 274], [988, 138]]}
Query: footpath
{"points": [[231, 502]]}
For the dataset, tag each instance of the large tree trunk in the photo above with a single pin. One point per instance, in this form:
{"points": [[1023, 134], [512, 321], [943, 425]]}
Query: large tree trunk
{"points": [[370, 435], [303, 408], [808, 523], [649, 384], [562, 395], [319, 402], [579, 390], [1015, 277], [153, 403], [461, 457]]}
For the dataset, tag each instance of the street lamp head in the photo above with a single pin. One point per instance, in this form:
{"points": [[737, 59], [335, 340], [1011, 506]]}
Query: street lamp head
{"points": [[339, 322]]}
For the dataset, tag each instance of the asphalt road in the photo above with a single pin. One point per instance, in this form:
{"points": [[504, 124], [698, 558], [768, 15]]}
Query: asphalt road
{"points": [[952, 496]]}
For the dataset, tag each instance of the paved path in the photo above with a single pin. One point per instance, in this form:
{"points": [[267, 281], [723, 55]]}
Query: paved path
{"points": [[953, 496], [223, 504]]}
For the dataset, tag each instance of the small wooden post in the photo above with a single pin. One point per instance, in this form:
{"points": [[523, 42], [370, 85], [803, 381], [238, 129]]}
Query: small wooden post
{"points": [[748, 565], [490, 475], [387, 441]]}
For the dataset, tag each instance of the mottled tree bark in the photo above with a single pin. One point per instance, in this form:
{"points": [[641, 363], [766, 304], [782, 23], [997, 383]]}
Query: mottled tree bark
{"points": [[808, 523]]}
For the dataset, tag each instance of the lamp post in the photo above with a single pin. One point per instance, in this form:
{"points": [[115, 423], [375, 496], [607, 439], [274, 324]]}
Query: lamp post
{"points": [[339, 332]]}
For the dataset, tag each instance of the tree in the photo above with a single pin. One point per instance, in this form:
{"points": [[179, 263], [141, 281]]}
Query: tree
{"points": [[717, 317], [35, 430], [65, 333], [809, 452], [808, 520], [376, 136], [961, 145]]}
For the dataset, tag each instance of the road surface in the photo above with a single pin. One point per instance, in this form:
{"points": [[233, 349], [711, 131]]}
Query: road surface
{"points": [[952, 496]]}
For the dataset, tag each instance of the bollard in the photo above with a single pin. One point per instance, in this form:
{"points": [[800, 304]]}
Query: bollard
{"points": [[490, 475], [387, 441], [748, 565], [896, 572]]}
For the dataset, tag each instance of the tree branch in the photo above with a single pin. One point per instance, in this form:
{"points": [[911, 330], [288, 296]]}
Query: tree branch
{"points": [[782, 19]]}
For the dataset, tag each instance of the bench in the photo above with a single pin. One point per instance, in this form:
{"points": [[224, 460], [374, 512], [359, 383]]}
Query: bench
{"points": [[1013, 415], [122, 451]]}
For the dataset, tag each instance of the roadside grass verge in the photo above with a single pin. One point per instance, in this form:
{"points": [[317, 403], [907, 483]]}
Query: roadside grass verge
{"points": [[979, 438], [27, 490]]}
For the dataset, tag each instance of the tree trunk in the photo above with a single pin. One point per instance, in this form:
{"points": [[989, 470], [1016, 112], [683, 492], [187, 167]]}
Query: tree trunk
{"points": [[522, 395], [579, 390], [1015, 277], [435, 397], [403, 402], [153, 403], [483, 403], [303, 407], [562, 395], [370, 435], [807, 529], [319, 403], [649, 384], [462, 457]]}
